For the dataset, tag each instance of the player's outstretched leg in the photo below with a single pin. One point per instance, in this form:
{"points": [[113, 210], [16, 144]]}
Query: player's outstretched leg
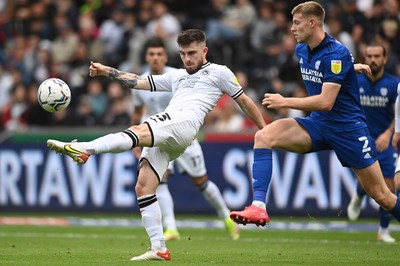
{"points": [[111, 143], [71, 149]]}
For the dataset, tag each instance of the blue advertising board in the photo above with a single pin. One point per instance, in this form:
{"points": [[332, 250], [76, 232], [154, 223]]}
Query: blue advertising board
{"points": [[33, 178]]}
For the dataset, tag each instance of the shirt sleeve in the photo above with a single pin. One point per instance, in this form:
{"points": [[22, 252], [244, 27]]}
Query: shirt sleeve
{"points": [[229, 84], [161, 82], [336, 66]]}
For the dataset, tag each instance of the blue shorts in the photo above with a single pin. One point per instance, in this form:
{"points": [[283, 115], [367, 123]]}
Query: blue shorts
{"points": [[354, 148], [387, 161]]}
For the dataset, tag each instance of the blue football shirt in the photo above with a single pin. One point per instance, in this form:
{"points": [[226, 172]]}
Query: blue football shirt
{"points": [[332, 62], [377, 99]]}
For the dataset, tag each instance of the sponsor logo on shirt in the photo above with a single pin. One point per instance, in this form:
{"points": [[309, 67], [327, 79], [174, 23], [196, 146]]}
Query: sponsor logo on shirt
{"points": [[311, 75]]}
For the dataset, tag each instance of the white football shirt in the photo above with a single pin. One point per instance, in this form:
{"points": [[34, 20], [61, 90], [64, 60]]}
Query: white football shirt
{"points": [[197, 93], [154, 102]]}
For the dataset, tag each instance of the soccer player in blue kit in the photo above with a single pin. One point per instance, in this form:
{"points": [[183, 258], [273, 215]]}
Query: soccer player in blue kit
{"points": [[378, 93], [336, 122]]}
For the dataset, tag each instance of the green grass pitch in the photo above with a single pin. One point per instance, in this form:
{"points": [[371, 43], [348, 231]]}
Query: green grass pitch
{"points": [[112, 245]]}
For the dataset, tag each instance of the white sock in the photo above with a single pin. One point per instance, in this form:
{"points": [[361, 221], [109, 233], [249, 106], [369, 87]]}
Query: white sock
{"points": [[151, 218], [166, 203], [212, 194], [114, 143], [259, 204]]}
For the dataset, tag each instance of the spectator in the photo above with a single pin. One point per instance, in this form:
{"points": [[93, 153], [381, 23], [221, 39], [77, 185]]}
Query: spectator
{"points": [[165, 26], [15, 113], [97, 98], [120, 106], [112, 34]]}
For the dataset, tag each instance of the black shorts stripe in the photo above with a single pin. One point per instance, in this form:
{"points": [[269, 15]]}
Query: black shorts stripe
{"points": [[152, 134], [133, 136], [147, 201], [152, 168]]}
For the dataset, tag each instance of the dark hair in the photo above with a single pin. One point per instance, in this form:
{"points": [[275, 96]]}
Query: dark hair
{"points": [[155, 43], [376, 44], [191, 35]]}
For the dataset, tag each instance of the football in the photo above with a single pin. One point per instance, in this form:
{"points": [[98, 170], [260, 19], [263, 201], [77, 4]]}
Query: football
{"points": [[54, 95]]}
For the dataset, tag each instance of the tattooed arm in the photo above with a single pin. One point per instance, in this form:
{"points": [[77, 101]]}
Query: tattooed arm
{"points": [[127, 80]]}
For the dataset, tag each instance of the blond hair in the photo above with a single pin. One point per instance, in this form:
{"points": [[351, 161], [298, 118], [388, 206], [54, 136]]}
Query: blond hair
{"points": [[311, 9]]}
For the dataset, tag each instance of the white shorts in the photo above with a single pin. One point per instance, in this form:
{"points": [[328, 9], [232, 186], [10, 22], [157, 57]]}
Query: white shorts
{"points": [[191, 161], [172, 133]]}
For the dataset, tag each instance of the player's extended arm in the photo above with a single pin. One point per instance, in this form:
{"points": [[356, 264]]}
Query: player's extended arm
{"points": [[127, 80], [322, 102], [251, 110]]}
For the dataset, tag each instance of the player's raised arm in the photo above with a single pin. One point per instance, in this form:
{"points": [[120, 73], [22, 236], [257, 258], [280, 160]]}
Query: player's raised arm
{"points": [[127, 80]]}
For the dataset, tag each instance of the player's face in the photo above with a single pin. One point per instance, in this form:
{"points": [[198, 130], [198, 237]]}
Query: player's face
{"points": [[156, 58], [375, 59], [300, 28], [193, 56]]}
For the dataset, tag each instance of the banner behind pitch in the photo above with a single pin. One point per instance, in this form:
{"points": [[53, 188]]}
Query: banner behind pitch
{"points": [[33, 178]]}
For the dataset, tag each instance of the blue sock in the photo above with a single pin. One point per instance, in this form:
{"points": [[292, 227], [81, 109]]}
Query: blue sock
{"points": [[384, 217], [396, 210], [262, 173], [360, 191]]}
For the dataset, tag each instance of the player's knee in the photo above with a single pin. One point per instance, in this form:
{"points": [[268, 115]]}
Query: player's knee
{"points": [[263, 139], [199, 182], [382, 199]]}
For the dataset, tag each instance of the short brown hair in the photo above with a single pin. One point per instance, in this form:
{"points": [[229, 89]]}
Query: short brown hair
{"points": [[191, 35], [310, 9], [376, 44]]}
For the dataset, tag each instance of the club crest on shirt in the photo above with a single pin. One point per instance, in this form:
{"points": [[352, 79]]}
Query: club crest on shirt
{"points": [[317, 64], [384, 91], [205, 73], [336, 66]]}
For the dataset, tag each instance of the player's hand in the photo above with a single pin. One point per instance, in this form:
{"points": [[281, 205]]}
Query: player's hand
{"points": [[359, 68], [395, 140], [382, 142], [273, 100], [97, 69]]}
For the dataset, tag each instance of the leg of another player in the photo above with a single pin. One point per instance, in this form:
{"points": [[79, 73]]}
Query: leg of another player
{"points": [[354, 207], [214, 197], [373, 182], [284, 134], [166, 202], [384, 219]]}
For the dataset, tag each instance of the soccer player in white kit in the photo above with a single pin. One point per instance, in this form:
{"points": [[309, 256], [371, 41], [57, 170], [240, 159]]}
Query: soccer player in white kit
{"points": [[165, 136], [190, 162]]}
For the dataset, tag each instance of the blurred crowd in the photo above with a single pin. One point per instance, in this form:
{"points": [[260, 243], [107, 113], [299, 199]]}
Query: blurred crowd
{"points": [[58, 38]]}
